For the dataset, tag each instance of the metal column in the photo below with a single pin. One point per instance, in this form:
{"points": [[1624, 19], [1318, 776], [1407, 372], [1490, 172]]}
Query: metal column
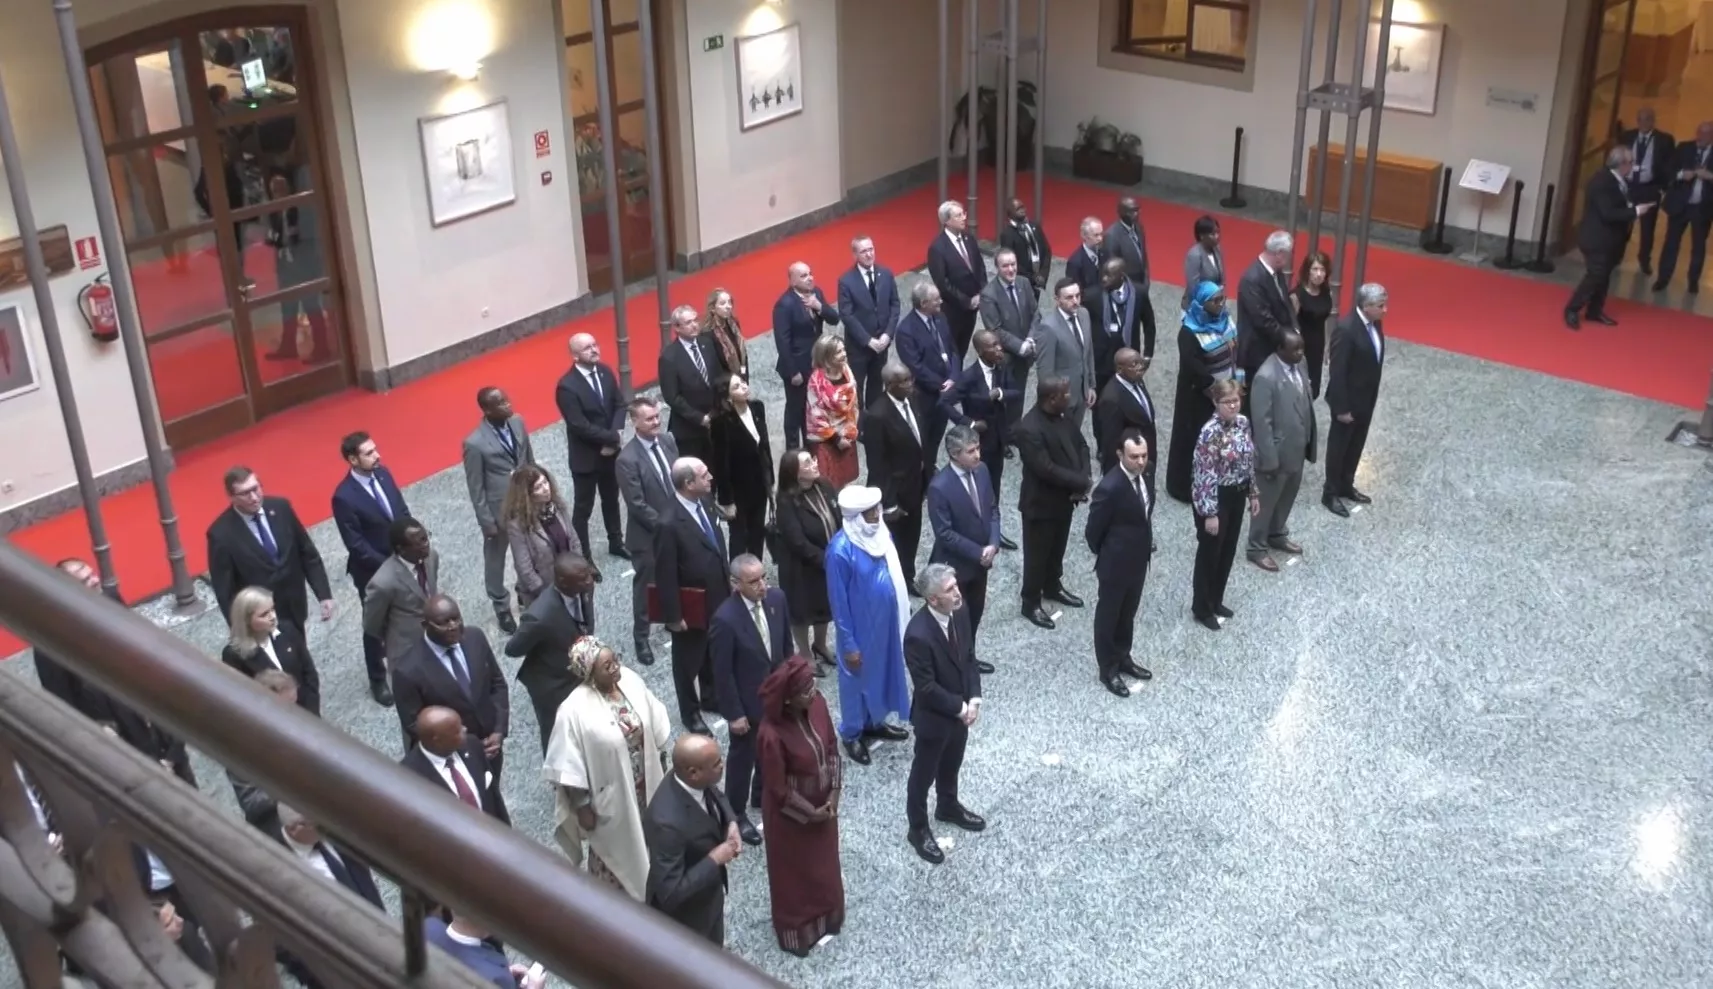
{"points": [[37, 268], [125, 302], [1352, 121], [1335, 19], [1373, 140], [945, 98], [1039, 161], [609, 163], [972, 105], [1006, 155], [656, 173], [1301, 133]]}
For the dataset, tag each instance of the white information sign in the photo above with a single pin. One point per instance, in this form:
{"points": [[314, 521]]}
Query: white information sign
{"points": [[1485, 176]]}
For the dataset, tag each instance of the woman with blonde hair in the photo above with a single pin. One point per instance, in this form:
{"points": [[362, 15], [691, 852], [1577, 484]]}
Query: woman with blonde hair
{"points": [[260, 640], [1223, 484], [607, 755], [722, 324], [538, 529], [830, 423]]}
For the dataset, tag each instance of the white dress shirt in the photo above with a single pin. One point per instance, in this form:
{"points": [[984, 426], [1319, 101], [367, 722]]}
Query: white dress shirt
{"points": [[312, 858], [268, 647], [909, 416], [448, 765], [945, 623]]}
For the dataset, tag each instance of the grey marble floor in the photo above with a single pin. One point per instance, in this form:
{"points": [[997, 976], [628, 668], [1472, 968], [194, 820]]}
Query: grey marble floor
{"points": [[1461, 744]]}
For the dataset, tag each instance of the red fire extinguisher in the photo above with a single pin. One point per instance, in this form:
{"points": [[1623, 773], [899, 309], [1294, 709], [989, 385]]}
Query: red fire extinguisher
{"points": [[96, 303]]}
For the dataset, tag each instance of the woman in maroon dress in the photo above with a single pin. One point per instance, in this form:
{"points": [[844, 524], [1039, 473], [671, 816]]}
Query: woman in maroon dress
{"points": [[802, 777]]}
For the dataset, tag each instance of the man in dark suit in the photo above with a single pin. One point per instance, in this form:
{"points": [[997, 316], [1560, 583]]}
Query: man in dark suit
{"points": [[364, 506], [1124, 405], [868, 305], [562, 614], [897, 445], [926, 348], [958, 270], [983, 400], [689, 384], [453, 666], [1028, 242], [963, 509], [322, 856], [1126, 241], [800, 317], [1115, 317], [1688, 206], [1652, 150], [747, 637], [1120, 534], [593, 408], [692, 835], [1602, 236], [1264, 310], [494, 451], [1083, 264], [1055, 479], [645, 481], [946, 701], [690, 555], [1352, 391], [446, 756], [259, 542], [1009, 305]]}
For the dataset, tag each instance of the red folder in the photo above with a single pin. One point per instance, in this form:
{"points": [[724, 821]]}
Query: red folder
{"points": [[692, 606]]}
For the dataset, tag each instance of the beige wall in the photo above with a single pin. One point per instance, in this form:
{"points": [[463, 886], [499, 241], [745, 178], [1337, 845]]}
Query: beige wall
{"points": [[889, 110]]}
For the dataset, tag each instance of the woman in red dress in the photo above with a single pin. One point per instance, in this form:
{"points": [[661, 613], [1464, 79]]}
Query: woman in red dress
{"points": [[831, 421], [802, 777]]}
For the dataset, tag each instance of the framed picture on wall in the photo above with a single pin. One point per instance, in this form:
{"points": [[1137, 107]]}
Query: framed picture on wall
{"points": [[467, 158], [770, 77], [1413, 54], [17, 361]]}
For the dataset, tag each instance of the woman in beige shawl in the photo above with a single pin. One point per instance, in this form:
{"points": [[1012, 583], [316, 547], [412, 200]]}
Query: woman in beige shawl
{"points": [[607, 754]]}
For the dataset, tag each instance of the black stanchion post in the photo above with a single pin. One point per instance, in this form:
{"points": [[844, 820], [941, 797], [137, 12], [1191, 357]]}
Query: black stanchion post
{"points": [[1509, 262], [1235, 201], [1438, 245], [1540, 264]]}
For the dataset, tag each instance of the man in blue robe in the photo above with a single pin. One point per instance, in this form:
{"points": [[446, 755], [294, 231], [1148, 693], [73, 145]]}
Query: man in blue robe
{"points": [[865, 585]]}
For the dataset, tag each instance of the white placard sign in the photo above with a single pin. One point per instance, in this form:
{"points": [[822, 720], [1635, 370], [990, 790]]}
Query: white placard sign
{"points": [[255, 77], [1485, 176]]}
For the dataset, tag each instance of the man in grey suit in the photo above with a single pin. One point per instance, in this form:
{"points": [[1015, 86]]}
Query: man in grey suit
{"points": [[499, 446], [1063, 348], [645, 484], [392, 605], [1284, 424], [1008, 309]]}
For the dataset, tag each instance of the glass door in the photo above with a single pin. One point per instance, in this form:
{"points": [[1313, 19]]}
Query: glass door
{"points": [[625, 82], [1603, 87], [212, 151]]}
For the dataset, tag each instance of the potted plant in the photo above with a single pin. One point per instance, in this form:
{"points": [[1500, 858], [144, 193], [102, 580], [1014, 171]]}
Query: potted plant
{"points": [[1103, 153], [987, 123]]}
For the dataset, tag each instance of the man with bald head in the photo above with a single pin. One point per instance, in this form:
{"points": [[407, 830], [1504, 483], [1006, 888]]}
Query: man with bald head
{"points": [[689, 586], [593, 408], [800, 317], [959, 271], [748, 637], [692, 835], [446, 756], [690, 383], [562, 614], [453, 666]]}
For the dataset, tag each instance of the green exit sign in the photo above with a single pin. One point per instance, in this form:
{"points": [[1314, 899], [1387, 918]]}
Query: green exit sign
{"points": [[713, 43]]}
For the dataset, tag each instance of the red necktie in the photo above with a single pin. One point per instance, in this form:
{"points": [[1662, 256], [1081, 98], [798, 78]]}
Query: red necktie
{"points": [[422, 576], [464, 792]]}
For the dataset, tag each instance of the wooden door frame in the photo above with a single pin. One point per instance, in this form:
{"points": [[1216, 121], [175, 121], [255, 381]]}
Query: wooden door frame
{"points": [[1585, 82]]}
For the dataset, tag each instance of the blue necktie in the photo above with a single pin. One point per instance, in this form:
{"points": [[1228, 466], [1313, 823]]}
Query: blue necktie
{"points": [[505, 434], [460, 672], [266, 537], [375, 489], [707, 526]]}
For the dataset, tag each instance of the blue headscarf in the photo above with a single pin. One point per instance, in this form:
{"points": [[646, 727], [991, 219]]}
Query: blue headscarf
{"points": [[1211, 331]]}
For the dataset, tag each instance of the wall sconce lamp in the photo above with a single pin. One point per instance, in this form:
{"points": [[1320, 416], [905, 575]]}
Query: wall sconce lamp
{"points": [[467, 71]]}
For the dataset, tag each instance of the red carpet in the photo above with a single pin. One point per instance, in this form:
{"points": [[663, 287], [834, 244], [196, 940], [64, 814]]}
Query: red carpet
{"points": [[1658, 353]]}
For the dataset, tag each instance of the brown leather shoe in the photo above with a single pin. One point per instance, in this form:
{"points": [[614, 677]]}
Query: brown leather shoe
{"points": [[1266, 563], [1286, 546]]}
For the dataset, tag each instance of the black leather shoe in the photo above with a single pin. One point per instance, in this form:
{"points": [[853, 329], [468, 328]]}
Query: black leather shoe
{"points": [[923, 841], [1115, 685], [614, 549], [983, 667], [1572, 319], [1208, 622], [1064, 597], [1223, 612], [382, 693], [1006, 543], [889, 733], [1130, 669], [508, 624], [644, 653], [857, 749], [1335, 506], [747, 831], [1357, 497], [1039, 618], [1659, 285], [694, 723], [1646, 266], [961, 817], [1602, 319]]}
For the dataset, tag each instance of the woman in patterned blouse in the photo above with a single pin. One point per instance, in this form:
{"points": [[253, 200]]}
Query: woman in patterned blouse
{"points": [[1223, 483]]}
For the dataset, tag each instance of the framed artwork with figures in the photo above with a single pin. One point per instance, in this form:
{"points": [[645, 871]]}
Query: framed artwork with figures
{"points": [[770, 77], [1413, 55], [17, 362], [467, 158]]}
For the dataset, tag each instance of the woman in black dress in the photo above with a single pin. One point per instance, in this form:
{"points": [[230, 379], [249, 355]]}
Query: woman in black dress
{"points": [[743, 468], [808, 518], [1313, 302], [1206, 353]]}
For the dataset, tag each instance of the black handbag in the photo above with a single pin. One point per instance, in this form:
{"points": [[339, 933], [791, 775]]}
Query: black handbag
{"points": [[770, 535]]}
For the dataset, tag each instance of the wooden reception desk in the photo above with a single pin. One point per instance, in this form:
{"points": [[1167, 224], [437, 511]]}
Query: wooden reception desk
{"points": [[1405, 188]]}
